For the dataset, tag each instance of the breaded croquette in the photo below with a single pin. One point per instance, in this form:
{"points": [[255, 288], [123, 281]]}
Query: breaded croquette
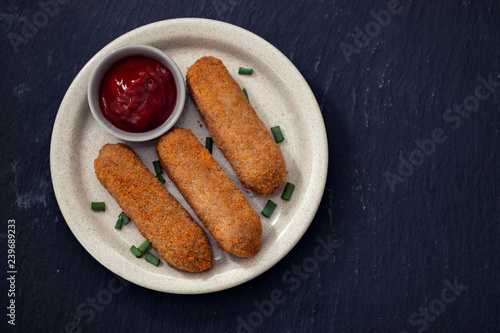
{"points": [[218, 203], [235, 126], [158, 216]]}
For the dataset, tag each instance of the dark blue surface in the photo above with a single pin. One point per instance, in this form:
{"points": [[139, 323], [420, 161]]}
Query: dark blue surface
{"points": [[414, 248]]}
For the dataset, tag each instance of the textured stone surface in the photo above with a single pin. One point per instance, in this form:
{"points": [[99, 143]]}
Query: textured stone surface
{"points": [[395, 251]]}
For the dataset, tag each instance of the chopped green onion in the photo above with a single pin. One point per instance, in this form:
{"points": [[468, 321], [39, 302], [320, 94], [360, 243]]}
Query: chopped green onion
{"points": [[119, 223], [246, 71], [245, 92], [152, 259], [160, 178], [269, 208], [137, 253], [208, 144], [98, 206], [125, 218], [144, 246], [288, 191], [158, 168], [278, 136]]}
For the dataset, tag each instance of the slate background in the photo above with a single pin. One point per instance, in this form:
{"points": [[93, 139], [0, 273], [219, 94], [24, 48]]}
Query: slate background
{"points": [[395, 248]]}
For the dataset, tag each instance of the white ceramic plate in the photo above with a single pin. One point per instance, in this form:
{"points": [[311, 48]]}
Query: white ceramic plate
{"points": [[280, 96]]}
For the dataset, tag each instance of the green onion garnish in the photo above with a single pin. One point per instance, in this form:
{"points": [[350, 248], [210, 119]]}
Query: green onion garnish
{"points": [[152, 259], [119, 222], [125, 218], [137, 253], [160, 178], [245, 92], [278, 136], [144, 246], [288, 191], [269, 208], [98, 206], [208, 144], [246, 71], [158, 168]]}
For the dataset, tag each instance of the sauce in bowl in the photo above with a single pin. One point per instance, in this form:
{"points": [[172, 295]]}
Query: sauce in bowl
{"points": [[137, 94]]}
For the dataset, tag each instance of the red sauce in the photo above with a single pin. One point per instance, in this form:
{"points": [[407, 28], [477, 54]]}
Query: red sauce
{"points": [[137, 94]]}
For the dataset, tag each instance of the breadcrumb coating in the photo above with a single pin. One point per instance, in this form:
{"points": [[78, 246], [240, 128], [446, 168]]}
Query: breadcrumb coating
{"points": [[235, 126], [217, 202], [158, 216]]}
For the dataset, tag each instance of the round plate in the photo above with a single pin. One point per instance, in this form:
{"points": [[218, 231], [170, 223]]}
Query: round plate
{"points": [[280, 96]]}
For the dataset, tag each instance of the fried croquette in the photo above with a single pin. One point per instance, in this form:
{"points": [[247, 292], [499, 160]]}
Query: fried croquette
{"points": [[235, 126], [218, 203], [158, 216]]}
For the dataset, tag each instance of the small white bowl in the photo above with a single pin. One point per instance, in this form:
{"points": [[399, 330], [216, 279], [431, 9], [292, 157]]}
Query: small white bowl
{"points": [[105, 64]]}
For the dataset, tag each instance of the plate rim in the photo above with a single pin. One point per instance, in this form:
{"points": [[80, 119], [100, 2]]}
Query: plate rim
{"points": [[320, 168]]}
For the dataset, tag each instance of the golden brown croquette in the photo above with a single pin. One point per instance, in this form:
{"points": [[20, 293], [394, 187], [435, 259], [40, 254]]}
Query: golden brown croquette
{"points": [[217, 202], [235, 127], [158, 216]]}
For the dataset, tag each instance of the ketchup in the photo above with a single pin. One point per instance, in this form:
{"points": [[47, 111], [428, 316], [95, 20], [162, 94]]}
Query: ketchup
{"points": [[137, 94]]}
